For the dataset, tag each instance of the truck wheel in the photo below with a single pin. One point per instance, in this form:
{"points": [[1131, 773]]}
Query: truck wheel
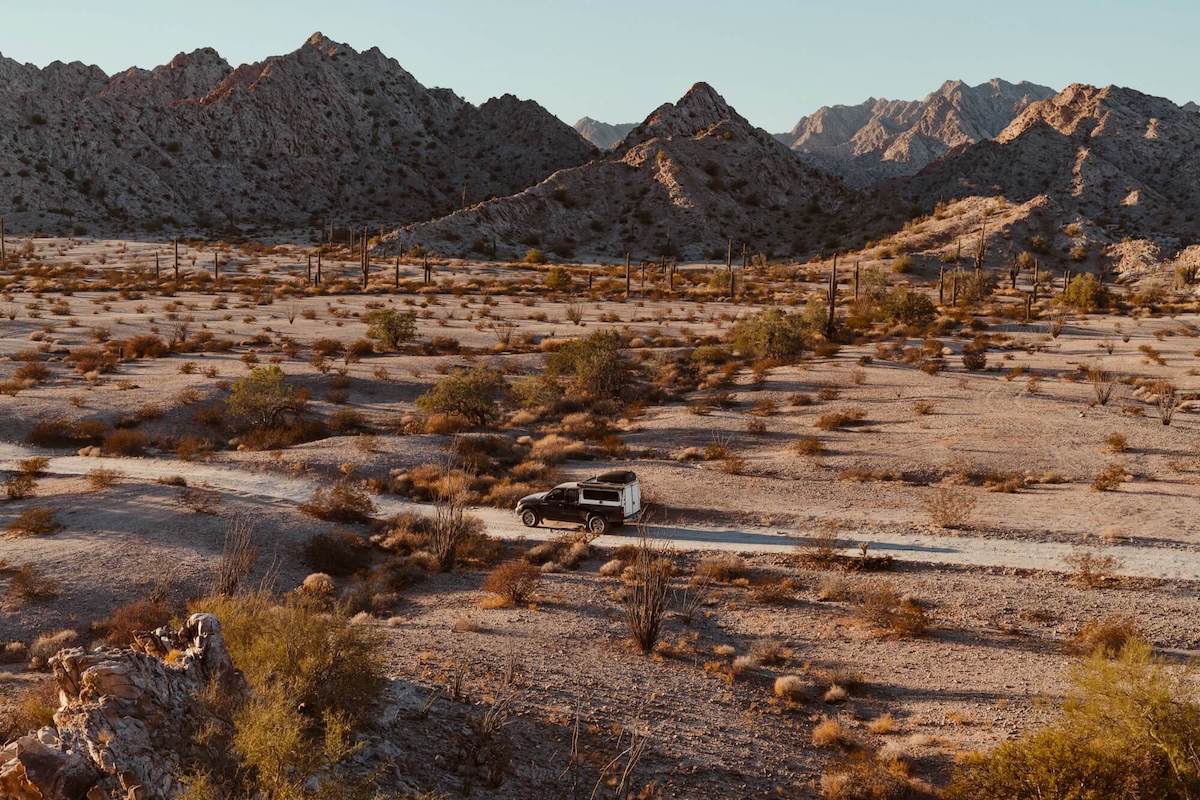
{"points": [[597, 525], [530, 519]]}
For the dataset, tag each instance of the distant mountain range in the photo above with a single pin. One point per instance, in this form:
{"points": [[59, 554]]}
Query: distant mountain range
{"points": [[322, 134], [326, 135], [879, 139], [602, 134]]}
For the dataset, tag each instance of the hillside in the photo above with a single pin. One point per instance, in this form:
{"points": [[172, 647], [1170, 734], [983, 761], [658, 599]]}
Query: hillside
{"points": [[692, 176], [881, 138], [325, 132], [1112, 156], [602, 134]]}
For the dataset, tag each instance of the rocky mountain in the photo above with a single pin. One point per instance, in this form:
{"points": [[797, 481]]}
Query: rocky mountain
{"points": [[1191, 106], [1125, 161], [602, 134], [692, 176], [325, 133], [881, 138]]}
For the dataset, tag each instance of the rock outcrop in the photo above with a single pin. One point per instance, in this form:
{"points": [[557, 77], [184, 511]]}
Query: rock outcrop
{"points": [[125, 723], [602, 134], [322, 134], [881, 138], [692, 176]]}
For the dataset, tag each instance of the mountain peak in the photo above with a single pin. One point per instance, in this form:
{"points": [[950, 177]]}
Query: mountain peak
{"points": [[697, 110]]}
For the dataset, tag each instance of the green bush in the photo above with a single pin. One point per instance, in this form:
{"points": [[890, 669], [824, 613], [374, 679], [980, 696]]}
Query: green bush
{"points": [[909, 307], [771, 334], [534, 256], [258, 399], [557, 277], [592, 366], [1128, 731], [1084, 293], [391, 328], [473, 395]]}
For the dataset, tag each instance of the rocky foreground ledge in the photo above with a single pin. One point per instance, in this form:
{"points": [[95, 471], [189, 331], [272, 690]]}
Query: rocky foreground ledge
{"points": [[124, 726]]}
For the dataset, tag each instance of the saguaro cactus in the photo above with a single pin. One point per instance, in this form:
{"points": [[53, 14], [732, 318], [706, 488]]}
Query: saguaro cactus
{"points": [[397, 274], [3, 245], [216, 267], [832, 298], [627, 276], [308, 269], [319, 254], [941, 285], [177, 259]]}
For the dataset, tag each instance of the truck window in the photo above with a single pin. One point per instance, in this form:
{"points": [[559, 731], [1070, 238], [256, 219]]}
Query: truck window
{"points": [[571, 496], [602, 495], [555, 495]]}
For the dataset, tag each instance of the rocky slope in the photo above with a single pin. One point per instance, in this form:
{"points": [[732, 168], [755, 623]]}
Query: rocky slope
{"points": [[1191, 106], [602, 134], [324, 132], [882, 138], [692, 176], [1125, 161]]}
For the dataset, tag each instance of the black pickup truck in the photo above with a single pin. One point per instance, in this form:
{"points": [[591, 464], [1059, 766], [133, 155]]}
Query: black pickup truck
{"points": [[600, 503]]}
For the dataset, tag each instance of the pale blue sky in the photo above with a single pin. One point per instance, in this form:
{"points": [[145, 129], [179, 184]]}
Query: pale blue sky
{"points": [[617, 60]]}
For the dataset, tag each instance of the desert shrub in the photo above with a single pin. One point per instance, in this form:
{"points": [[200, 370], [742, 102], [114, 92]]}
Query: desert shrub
{"points": [[887, 612], [723, 568], [1091, 570], [117, 628], [557, 278], [32, 707], [125, 442], [36, 521], [835, 420], [338, 553], [534, 256], [391, 328], [974, 358], [472, 395], [67, 433], [1085, 293], [1109, 478], [808, 446], [513, 581], [259, 399], [344, 501], [866, 775], [950, 507], [908, 307], [28, 584], [20, 486], [1128, 730], [1106, 636], [318, 658], [1116, 443], [100, 479], [144, 346], [771, 334], [592, 366]]}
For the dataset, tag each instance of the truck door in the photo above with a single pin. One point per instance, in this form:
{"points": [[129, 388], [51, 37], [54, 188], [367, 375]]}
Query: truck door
{"points": [[572, 511]]}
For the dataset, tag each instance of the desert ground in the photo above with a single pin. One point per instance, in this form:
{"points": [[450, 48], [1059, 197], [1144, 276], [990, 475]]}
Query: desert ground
{"points": [[1012, 504]]}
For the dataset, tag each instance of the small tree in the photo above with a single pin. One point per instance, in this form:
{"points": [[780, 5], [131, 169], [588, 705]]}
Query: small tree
{"points": [[390, 327], [909, 307], [258, 399], [557, 278], [593, 365], [472, 395]]}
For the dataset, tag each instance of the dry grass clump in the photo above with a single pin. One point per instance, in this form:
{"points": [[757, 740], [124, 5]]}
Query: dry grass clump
{"points": [[140, 616], [513, 581], [1109, 478], [792, 688], [808, 446], [722, 568], [60, 432], [1106, 636], [338, 553], [887, 612], [37, 521], [829, 732], [32, 708], [345, 501], [125, 442], [867, 775], [883, 725], [648, 580], [950, 507], [836, 420], [100, 478], [1116, 443]]}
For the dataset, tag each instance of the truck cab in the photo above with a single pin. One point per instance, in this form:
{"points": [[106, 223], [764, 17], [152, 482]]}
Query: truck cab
{"points": [[599, 503]]}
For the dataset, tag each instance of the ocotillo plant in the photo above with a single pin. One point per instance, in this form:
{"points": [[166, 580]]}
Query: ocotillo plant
{"points": [[832, 299]]}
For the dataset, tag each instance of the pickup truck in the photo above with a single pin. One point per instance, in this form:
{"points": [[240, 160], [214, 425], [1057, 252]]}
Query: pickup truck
{"points": [[600, 503]]}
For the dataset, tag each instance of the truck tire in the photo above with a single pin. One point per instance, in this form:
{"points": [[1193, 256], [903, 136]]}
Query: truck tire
{"points": [[529, 518], [597, 524]]}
